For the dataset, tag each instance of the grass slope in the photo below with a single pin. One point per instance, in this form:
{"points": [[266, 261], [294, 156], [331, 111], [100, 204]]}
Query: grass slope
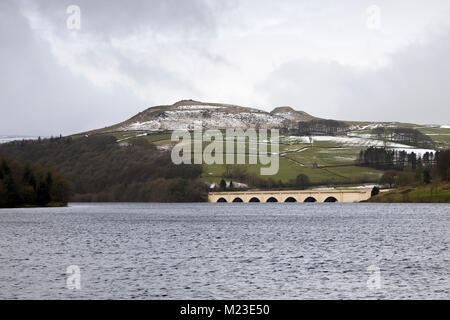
{"points": [[431, 193]]}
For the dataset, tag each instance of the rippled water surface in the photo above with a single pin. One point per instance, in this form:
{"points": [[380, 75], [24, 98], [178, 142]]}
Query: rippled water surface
{"points": [[195, 251]]}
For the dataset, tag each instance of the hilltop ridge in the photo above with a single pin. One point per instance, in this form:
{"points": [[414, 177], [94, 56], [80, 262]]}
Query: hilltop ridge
{"points": [[291, 114], [186, 114]]}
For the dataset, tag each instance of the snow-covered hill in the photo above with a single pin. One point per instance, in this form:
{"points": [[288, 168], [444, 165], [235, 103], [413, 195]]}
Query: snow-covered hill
{"points": [[187, 114]]}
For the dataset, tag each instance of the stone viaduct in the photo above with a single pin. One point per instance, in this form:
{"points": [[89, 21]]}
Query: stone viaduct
{"points": [[347, 195]]}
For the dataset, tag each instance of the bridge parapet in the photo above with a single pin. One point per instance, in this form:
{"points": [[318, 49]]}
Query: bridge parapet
{"points": [[340, 195]]}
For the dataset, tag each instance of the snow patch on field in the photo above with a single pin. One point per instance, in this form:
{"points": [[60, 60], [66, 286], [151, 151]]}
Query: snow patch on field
{"points": [[147, 125], [364, 142], [365, 127], [438, 134], [445, 126], [297, 139], [164, 147], [345, 158], [353, 141]]}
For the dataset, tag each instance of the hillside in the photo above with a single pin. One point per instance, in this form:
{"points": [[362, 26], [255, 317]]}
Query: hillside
{"points": [[99, 169], [185, 114]]}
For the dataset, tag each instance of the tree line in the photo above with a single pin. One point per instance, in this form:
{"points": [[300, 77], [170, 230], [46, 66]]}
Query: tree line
{"points": [[404, 168], [322, 127], [385, 159], [409, 136], [31, 185]]}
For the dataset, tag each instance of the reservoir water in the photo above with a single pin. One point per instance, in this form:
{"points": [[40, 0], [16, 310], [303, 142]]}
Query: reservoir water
{"points": [[226, 251]]}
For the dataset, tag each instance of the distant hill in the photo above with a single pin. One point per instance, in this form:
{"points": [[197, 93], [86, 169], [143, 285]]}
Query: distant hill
{"points": [[291, 114], [185, 114]]}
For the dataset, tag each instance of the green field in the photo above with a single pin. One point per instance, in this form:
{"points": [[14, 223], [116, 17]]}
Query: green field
{"points": [[441, 136], [151, 137], [313, 161]]}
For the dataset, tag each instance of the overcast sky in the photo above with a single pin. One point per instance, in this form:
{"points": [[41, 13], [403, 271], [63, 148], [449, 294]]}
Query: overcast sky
{"points": [[350, 60]]}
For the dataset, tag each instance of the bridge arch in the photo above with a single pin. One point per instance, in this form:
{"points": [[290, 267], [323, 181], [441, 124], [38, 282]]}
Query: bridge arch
{"points": [[222, 199], [310, 199], [331, 199], [290, 199], [237, 199], [272, 199], [254, 199]]}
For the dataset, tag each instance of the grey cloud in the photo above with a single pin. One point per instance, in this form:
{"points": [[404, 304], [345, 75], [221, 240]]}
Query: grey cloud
{"points": [[38, 96], [115, 18], [414, 87]]}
